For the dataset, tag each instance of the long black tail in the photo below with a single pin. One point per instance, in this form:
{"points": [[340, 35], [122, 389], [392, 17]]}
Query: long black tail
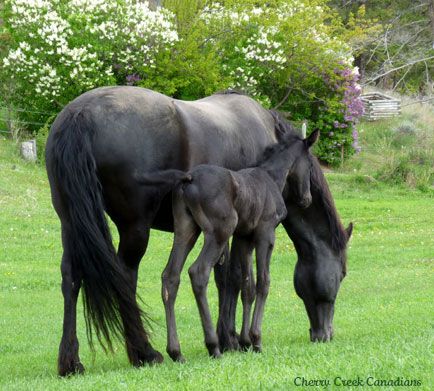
{"points": [[72, 173]]}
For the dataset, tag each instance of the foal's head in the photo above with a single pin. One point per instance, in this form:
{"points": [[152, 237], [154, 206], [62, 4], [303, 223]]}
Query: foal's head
{"points": [[290, 161]]}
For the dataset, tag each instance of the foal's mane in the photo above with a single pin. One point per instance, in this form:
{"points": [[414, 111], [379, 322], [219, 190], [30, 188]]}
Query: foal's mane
{"points": [[319, 187]]}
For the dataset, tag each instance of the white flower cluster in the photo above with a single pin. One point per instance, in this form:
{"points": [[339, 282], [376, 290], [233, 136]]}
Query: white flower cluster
{"points": [[260, 53], [263, 48], [153, 31], [74, 45]]}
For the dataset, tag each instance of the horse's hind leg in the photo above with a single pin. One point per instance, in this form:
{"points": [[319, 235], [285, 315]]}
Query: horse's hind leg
{"points": [[69, 360], [132, 246], [186, 234]]}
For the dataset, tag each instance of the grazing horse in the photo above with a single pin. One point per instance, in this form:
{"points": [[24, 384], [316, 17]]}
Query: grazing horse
{"points": [[221, 203], [95, 145]]}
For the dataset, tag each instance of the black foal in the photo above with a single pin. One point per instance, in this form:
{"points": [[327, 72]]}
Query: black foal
{"points": [[245, 204]]}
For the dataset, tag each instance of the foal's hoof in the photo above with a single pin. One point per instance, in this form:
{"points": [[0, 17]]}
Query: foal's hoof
{"points": [[229, 343], [70, 369], [177, 357], [216, 354], [245, 345], [214, 351], [257, 348]]}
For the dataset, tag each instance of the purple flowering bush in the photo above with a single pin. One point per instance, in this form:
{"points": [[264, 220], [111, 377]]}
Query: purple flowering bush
{"points": [[339, 115]]}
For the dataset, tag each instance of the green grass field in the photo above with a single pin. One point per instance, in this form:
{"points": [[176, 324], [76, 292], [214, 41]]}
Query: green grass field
{"points": [[384, 312]]}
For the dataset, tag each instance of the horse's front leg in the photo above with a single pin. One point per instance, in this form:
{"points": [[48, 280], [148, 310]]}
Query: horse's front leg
{"points": [[186, 234], [199, 274], [132, 246], [264, 248], [69, 361]]}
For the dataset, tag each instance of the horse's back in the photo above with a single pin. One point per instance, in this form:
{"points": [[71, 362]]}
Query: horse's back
{"points": [[229, 130], [135, 129]]}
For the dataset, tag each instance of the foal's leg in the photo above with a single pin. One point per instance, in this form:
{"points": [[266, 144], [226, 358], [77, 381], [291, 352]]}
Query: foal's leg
{"points": [[264, 248], [69, 360], [199, 274], [228, 280], [132, 245], [186, 234], [247, 289]]}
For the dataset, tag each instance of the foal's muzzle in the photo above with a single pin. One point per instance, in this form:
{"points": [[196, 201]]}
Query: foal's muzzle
{"points": [[305, 202]]}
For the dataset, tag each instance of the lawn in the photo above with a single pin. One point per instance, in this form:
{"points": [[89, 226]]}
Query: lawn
{"points": [[383, 321]]}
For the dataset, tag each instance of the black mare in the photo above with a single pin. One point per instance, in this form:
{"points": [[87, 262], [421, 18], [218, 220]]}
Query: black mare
{"points": [[95, 145], [246, 204]]}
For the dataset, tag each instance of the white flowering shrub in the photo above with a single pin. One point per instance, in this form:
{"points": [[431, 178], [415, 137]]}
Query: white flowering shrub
{"points": [[284, 53], [262, 45], [63, 48]]}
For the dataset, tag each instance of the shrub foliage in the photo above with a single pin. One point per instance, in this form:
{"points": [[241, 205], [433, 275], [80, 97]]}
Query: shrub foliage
{"points": [[285, 53]]}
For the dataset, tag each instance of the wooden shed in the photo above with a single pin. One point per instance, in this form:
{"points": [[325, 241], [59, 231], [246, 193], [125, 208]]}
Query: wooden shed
{"points": [[378, 105]]}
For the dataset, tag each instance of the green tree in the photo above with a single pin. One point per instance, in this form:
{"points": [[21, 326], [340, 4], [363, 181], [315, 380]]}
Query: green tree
{"points": [[398, 49]]}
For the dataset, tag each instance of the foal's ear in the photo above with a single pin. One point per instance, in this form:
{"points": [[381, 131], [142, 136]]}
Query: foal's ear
{"points": [[312, 139], [349, 230]]}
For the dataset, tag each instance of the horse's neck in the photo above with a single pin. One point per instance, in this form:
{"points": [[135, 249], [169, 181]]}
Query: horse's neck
{"points": [[309, 230]]}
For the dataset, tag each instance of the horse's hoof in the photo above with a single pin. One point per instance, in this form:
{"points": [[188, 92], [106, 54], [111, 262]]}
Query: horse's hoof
{"points": [[150, 358], [257, 348], [75, 368], [156, 358]]}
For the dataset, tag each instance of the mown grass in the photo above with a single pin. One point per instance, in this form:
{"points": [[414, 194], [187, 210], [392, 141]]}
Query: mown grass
{"points": [[383, 320]]}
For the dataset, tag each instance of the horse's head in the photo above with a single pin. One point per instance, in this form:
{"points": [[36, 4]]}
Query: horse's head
{"points": [[318, 287]]}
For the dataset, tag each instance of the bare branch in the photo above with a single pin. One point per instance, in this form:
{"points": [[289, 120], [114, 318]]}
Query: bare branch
{"points": [[283, 100], [397, 69], [402, 78], [418, 101]]}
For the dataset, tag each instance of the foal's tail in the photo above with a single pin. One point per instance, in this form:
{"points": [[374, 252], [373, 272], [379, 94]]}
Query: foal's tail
{"points": [[87, 242], [168, 179]]}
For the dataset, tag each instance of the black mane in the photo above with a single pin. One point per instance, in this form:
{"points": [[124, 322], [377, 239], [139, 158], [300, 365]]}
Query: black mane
{"points": [[282, 127], [323, 197]]}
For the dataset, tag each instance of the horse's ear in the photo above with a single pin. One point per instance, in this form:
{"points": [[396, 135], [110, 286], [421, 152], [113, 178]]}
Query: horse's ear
{"points": [[312, 139], [235, 185], [349, 230]]}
